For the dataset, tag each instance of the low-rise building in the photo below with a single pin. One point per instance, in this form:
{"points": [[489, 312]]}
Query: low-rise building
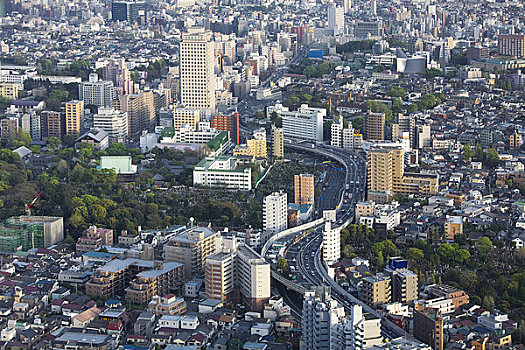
{"points": [[222, 172]]}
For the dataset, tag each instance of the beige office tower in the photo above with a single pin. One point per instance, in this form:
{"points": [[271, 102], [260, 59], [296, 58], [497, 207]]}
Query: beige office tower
{"points": [[277, 142], [74, 118], [374, 125], [197, 75], [141, 112], [304, 189]]}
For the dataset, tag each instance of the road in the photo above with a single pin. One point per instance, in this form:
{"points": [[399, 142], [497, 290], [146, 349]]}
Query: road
{"points": [[305, 254]]}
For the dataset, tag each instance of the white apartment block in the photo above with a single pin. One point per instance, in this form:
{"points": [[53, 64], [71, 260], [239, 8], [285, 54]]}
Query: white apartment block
{"points": [[331, 243], [97, 93], [114, 122], [305, 123], [321, 320], [275, 213], [238, 268], [222, 171], [253, 277], [336, 133], [186, 134], [197, 74], [344, 137]]}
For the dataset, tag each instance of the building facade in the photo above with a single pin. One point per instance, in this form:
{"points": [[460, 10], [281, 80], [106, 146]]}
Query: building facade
{"points": [[74, 118], [305, 123], [222, 172], [304, 189], [275, 212], [114, 122], [197, 75]]}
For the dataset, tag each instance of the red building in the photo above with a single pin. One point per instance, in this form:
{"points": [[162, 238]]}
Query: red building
{"points": [[227, 123]]}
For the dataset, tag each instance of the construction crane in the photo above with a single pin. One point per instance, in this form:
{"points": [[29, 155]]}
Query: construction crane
{"points": [[28, 207]]}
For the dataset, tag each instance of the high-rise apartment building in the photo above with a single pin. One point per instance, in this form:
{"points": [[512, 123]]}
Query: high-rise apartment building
{"points": [[374, 125], [304, 123], [386, 175], [336, 19], [404, 281], [74, 118], [238, 274], [376, 290], [227, 123], [275, 213], [141, 112], [331, 243], [277, 142], [511, 45], [257, 144], [428, 327], [52, 124], [320, 319], [114, 122], [325, 326], [197, 75], [346, 138], [133, 11], [97, 93], [515, 141], [191, 248], [8, 127], [304, 189]]}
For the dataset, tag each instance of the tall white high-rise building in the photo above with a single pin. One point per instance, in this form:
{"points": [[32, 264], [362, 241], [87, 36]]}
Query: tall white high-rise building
{"points": [[304, 123], [275, 210], [336, 19], [325, 326], [97, 92], [336, 136], [331, 243], [373, 8], [347, 5], [197, 75], [114, 122], [321, 320]]}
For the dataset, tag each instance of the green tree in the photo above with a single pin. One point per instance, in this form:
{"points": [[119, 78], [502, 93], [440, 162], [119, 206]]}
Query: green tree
{"points": [[412, 108], [397, 91], [492, 157], [20, 138], [397, 106], [282, 265], [357, 123], [479, 154], [467, 153], [414, 254], [310, 71], [484, 245]]}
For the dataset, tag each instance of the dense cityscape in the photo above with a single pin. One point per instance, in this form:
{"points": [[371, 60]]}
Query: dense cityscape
{"points": [[262, 175]]}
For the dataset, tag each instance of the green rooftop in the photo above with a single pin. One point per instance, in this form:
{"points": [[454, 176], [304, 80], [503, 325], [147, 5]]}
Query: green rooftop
{"points": [[215, 143]]}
